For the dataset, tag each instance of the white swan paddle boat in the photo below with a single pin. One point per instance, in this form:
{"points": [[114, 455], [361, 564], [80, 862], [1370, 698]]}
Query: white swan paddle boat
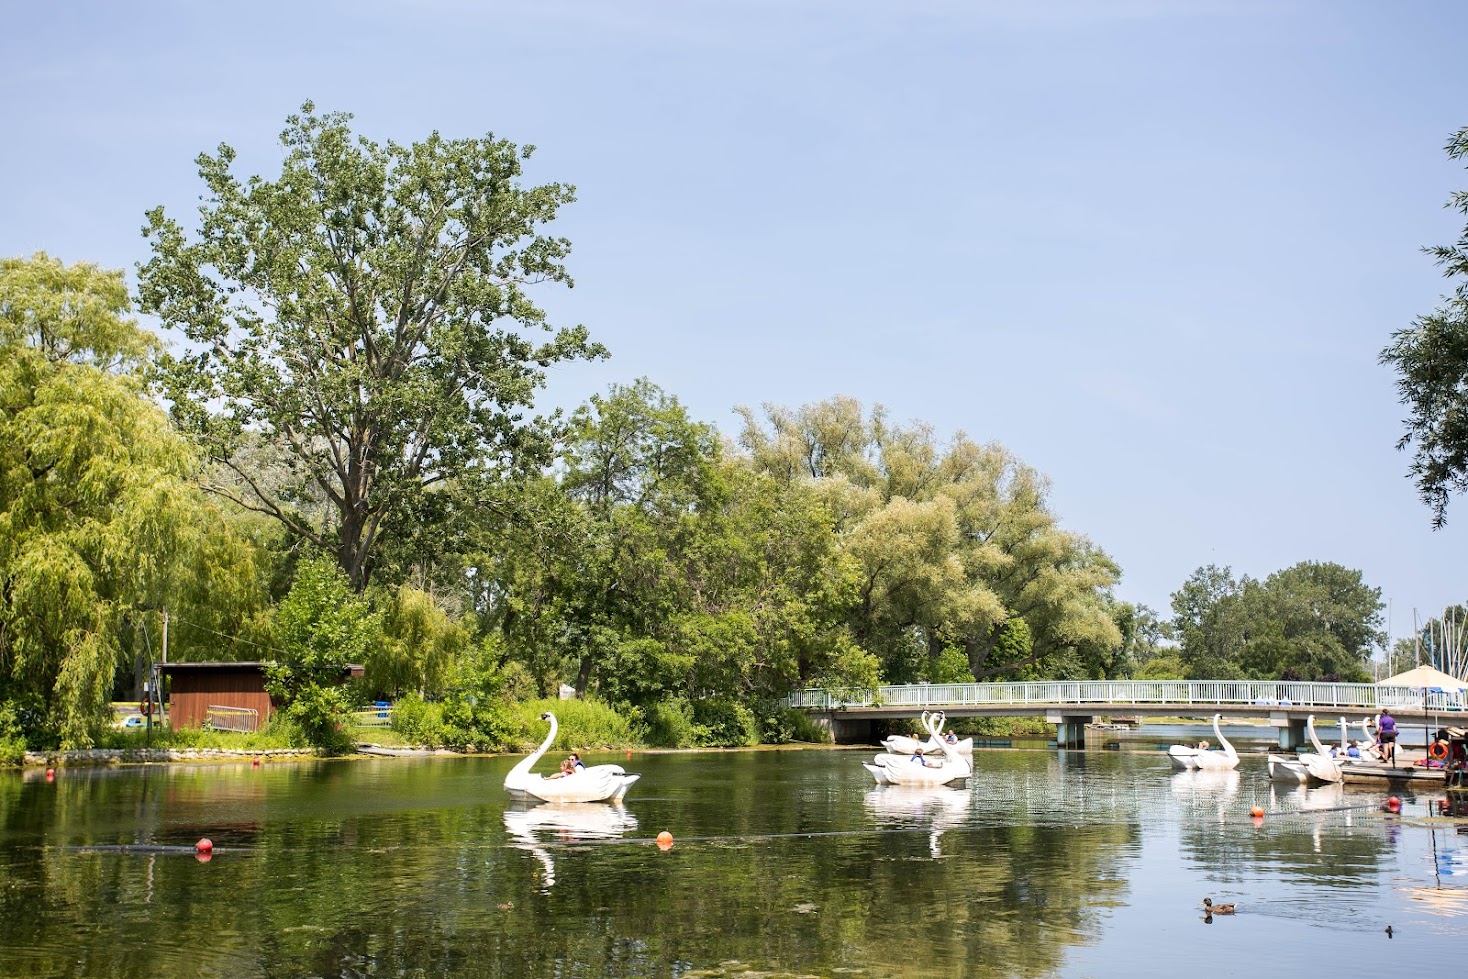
{"points": [[1317, 765], [1211, 759], [901, 744], [944, 766], [599, 783]]}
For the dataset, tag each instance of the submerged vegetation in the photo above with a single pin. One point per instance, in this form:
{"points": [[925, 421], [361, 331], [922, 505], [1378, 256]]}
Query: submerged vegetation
{"points": [[347, 472]]}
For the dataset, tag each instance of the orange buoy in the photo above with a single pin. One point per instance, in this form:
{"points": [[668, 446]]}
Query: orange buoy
{"points": [[256, 763], [629, 752], [665, 840], [205, 845], [1257, 812]]}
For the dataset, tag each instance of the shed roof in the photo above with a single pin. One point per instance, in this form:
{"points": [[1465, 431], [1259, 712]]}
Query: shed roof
{"points": [[351, 670]]}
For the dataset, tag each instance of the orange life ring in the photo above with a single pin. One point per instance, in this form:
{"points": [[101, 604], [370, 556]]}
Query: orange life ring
{"points": [[1438, 750], [146, 706]]}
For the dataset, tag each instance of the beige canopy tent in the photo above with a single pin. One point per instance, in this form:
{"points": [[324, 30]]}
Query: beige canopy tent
{"points": [[1425, 678]]}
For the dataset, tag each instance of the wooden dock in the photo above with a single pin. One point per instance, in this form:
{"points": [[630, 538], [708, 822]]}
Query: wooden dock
{"points": [[1372, 773]]}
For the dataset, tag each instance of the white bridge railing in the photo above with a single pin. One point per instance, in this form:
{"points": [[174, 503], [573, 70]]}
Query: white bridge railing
{"points": [[1121, 693]]}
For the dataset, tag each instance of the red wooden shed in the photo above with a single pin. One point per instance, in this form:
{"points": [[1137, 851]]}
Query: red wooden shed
{"points": [[228, 696]]}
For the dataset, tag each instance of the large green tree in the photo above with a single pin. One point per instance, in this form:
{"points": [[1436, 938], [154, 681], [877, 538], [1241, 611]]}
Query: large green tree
{"points": [[1430, 358], [1313, 621], [956, 546], [100, 527], [364, 316], [657, 568]]}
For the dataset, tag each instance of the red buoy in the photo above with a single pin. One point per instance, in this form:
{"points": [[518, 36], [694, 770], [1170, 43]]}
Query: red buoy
{"points": [[205, 845], [50, 773], [256, 763], [1257, 812], [1394, 804]]}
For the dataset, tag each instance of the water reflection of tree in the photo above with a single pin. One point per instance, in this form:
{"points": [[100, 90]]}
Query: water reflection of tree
{"points": [[408, 875]]}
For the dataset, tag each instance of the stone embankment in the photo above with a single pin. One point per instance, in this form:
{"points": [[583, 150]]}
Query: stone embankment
{"points": [[127, 756]]}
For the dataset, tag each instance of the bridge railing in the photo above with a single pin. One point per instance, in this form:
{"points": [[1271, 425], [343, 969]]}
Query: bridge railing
{"points": [[1120, 693]]}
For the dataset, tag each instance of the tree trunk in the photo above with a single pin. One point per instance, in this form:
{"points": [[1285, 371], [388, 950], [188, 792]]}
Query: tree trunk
{"points": [[583, 676]]}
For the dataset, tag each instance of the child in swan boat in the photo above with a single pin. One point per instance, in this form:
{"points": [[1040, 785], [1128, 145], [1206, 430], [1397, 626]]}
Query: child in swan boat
{"points": [[566, 769]]}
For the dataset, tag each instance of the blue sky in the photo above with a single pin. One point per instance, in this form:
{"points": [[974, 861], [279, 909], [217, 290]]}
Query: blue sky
{"points": [[1152, 246]]}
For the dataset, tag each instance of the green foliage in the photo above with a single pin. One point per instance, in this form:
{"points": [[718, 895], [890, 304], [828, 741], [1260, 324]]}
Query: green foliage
{"points": [[12, 737], [420, 645], [583, 724], [951, 666], [321, 626], [950, 543], [1430, 358], [419, 722], [725, 723], [787, 725], [669, 724], [99, 526], [365, 316], [712, 722], [1168, 666], [1314, 620]]}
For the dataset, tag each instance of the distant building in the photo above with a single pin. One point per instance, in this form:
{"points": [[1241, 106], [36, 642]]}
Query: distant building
{"points": [[227, 696]]}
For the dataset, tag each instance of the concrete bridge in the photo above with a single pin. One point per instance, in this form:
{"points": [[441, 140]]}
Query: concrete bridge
{"points": [[851, 713]]}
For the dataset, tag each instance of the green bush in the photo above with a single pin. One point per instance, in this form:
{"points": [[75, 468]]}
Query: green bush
{"points": [[784, 725], [418, 721], [669, 724], [12, 741], [582, 723], [1003, 727], [715, 722], [726, 723]]}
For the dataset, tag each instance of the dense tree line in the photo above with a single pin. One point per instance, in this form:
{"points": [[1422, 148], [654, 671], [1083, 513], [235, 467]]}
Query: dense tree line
{"points": [[346, 469]]}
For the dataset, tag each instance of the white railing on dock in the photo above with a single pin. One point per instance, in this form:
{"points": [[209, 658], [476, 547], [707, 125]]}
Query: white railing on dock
{"points": [[1121, 693]]}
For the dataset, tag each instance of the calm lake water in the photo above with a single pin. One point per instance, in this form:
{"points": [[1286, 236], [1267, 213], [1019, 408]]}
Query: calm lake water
{"points": [[785, 863]]}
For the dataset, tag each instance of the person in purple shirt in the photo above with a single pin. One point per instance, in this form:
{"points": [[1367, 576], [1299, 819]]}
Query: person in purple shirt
{"points": [[1386, 733]]}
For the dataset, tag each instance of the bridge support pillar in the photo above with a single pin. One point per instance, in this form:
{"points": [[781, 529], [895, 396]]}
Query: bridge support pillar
{"points": [[1291, 731], [1070, 729], [846, 730]]}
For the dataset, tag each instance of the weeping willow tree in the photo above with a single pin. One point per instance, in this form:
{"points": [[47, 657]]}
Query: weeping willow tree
{"points": [[100, 527], [965, 571]]}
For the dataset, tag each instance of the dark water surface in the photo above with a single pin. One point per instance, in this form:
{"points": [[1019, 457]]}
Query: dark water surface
{"points": [[785, 863]]}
